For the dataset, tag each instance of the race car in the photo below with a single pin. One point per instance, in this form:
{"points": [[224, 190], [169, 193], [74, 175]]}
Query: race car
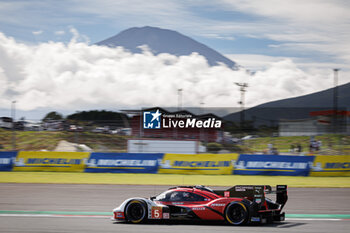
{"points": [[238, 205]]}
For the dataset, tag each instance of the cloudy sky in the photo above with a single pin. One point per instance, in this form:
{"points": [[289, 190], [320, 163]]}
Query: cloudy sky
{"points": [[48, 61]]}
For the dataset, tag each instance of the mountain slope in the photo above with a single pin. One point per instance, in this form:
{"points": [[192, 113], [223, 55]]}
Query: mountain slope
{"points": [[295, 108], [164, 41]]}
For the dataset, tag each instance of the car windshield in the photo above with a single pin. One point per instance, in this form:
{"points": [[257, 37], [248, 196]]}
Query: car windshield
{"points": [[173, 195], [162, 196]]}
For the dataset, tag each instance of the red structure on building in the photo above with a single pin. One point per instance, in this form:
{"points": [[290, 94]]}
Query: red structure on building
{"points": [[201, 134]]}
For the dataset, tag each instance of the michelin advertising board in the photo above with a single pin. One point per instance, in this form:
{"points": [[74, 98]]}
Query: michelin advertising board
{"points": [[244, 164], [273, 165], [7, 158], [197, 164], [50, 161], [331, 165], [123, 162]]}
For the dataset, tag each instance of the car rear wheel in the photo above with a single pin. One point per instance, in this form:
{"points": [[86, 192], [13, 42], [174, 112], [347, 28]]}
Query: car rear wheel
{"points": [[236, 213], [136, 211]]}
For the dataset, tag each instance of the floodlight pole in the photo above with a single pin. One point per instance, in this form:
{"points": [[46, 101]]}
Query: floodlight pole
{"points": [[242, 89], [201, 130], [13, 116], [179, 101], [335, 100]]}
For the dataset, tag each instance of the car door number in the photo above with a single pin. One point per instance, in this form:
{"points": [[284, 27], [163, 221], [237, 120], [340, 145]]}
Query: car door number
{"points": [[157, 212]]}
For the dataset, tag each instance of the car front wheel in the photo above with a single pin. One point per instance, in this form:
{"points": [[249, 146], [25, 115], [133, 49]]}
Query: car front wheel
{"points": [[136, 211]]}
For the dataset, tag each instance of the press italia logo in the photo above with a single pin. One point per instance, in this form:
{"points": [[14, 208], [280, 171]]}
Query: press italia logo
{"points": [[157, 120], [151, 119]]}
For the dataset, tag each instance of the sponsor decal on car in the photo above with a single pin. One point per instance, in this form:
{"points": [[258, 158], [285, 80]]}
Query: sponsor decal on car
{"points": [[198, 208], [157, 212], [119, 215], [218, 204]]}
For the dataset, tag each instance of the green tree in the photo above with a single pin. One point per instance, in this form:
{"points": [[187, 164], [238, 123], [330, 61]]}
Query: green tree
{"points": [[53, 116], [102, 118], [213, 147]]}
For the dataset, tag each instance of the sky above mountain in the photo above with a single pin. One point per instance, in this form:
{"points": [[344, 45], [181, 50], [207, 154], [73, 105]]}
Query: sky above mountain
{"points": [[293, 45]]}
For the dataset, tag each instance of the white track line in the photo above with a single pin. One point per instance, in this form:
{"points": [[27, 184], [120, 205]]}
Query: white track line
{"points": [[315, 219]]}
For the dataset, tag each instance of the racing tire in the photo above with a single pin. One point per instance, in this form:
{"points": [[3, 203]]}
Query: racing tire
{"points": [[136, 211], [236, 213]]}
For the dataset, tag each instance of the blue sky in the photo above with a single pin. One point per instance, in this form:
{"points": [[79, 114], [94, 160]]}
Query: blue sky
{"points": [[313, 31], [295, 40]]}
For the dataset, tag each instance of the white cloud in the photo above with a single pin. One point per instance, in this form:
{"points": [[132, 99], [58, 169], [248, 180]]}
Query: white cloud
{"points": [[311, 11], [260, 62], [37, 32], [77, 76], [60, 33], [254, 62]]}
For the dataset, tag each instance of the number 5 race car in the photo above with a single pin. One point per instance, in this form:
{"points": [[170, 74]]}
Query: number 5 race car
{"points": [[241, 204]]}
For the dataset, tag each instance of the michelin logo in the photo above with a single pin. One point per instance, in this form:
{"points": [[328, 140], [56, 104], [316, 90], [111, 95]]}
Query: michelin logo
{"points": [[242, 165], [5, 161], [19, 162], [120, 163], [167, 164], [151, 120], [316, 168]]}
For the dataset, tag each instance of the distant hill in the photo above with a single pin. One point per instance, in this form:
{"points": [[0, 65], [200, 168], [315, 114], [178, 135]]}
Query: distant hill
{"points": [[295, 108], [164, 41], [103, 118]]}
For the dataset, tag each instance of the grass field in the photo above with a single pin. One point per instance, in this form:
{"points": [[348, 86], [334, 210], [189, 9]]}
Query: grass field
{"points": [[169, 179], [331, 144], [48, 140]]}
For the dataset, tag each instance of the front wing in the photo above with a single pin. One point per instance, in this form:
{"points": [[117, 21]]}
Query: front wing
{"points": [[154, 211]]}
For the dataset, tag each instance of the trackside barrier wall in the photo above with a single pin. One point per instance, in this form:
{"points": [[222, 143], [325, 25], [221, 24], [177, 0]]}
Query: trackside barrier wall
{"points": [[124, 162], [197, 164], [244, 164]]}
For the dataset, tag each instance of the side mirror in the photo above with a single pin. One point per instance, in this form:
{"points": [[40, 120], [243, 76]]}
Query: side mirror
{"points": [[152, 198]]}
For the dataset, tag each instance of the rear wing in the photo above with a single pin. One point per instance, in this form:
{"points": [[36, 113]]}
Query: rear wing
{"points": [[256, 192]]}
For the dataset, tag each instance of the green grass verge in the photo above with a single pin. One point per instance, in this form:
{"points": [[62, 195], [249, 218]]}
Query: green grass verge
{"points": [[339, 144], [169, 179], [48, 140]]}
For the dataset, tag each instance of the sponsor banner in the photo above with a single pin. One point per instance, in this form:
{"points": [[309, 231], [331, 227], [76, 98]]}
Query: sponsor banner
{"points": [[273, 165], [50, 161], [331, 165], [124, 162], [7, 159], [197, 163]]}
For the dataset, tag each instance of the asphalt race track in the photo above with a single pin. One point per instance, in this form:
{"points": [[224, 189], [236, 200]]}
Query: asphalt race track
{"points": [[103, 198]]}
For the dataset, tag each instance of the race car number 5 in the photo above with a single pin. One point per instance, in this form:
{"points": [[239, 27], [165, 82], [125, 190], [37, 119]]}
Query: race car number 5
{"points": [[156, 212]]}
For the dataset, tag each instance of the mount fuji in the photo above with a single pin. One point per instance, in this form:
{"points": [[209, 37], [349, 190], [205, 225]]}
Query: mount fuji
{"points": [[164, 41]]}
